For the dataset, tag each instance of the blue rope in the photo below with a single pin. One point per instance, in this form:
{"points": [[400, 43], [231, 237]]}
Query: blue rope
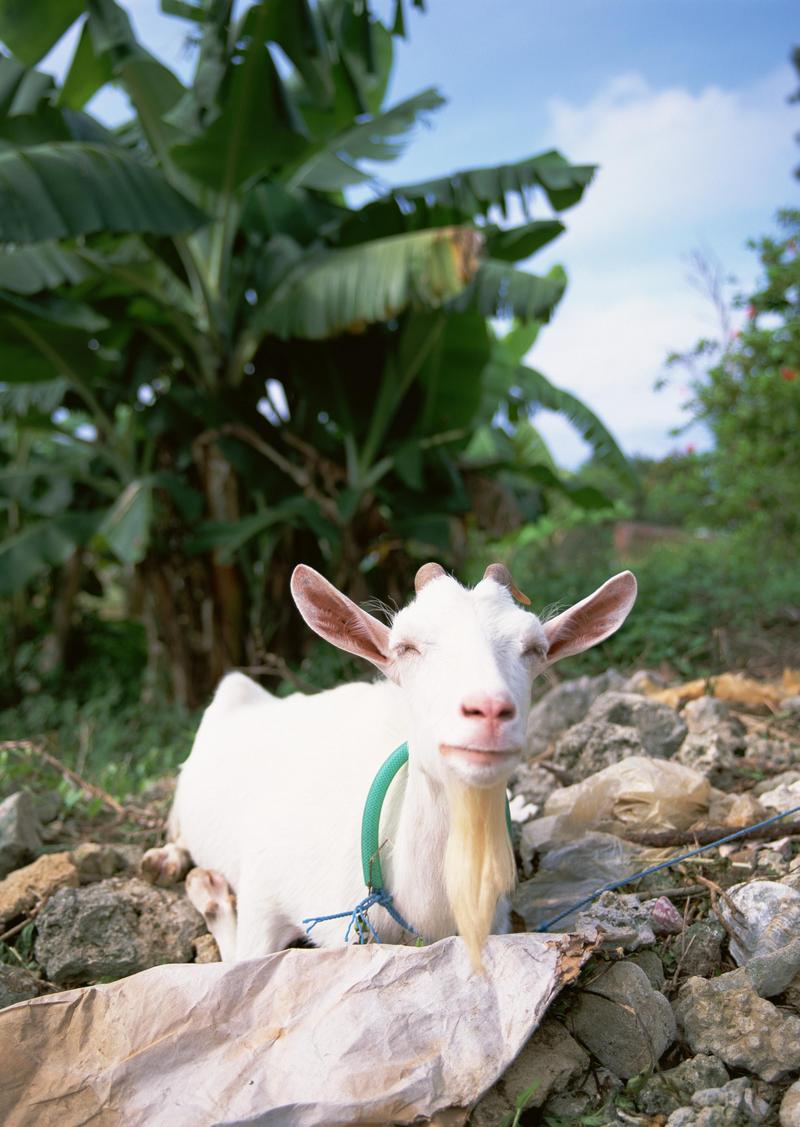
{"points": [[614, 885], [359, 917]]}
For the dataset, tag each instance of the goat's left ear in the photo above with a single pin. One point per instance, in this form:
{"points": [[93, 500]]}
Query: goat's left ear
{"points": [[338, 619], [593, 619]]}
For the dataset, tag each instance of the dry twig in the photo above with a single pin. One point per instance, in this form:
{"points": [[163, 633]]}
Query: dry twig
{"points": [[77, 780], [17, 928], [709, 834]]}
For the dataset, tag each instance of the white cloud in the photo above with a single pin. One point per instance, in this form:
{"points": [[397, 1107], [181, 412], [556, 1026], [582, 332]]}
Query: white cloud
{"points": [[608, 346], [674, 161], [678, 170]]}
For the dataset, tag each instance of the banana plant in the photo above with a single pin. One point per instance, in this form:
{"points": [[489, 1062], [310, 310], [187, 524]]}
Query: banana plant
{"points": [[250, 367]]}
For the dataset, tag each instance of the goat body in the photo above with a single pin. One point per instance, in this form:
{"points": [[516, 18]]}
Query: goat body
{"points": [[269, 803], [272, 797]]}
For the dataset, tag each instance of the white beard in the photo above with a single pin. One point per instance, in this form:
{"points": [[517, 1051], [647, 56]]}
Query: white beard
{"points": [[479, 863]]}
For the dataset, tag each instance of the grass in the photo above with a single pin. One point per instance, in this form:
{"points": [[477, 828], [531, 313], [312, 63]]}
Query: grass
{"points": [[704, 605], [119, 747], [92, 720]]}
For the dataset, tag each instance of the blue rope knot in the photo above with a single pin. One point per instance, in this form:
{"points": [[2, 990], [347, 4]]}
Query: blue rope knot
{"points": [[358, 917]]}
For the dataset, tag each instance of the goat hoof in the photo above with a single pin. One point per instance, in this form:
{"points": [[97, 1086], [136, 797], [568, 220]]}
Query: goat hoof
{"points": [[166, 865], [210, 893]]}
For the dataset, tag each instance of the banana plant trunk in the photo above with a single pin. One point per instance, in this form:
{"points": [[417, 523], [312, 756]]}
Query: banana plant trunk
{"points": [[194, 606], [221, 490]]}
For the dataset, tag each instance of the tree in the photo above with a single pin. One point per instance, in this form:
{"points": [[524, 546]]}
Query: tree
{"points": [[221, 363], [746, 388]]}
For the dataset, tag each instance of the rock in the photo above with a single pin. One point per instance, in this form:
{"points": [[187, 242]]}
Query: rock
{"points": [[789, 1115], [48, 805], [726, 1017], [766, 917], [770, 755], [205, 949], [664, 916], [534, 783], [735, 1104], [716, 754], [660, 729], [742, 810], [551, 1060], [112, 929], [786, 796], [622, 1020], [619, 725], [643, 681], [20, 840], [24, 889], [652, 967], [130, 857], [17, 985], [623, 918], [772, 973], [564, 706], [589, 747], [97, 862], [580, 1103], [783, 778], [792, 994], [715, 743], [667, 1091], [770, 862], [701, 949], [707, 714]]}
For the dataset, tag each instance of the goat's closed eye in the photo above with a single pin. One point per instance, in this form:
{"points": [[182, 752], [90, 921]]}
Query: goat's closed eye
{"points": [[403, 649], [534, 649]]}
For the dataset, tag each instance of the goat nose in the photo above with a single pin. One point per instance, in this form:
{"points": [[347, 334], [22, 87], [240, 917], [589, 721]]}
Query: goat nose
{"points": [[488, 706]]}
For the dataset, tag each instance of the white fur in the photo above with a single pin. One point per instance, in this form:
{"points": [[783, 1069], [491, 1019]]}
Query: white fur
{"points": [[272, 794]]}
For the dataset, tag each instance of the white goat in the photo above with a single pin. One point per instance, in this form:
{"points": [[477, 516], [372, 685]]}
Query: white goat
{"points": [[269, 802]]}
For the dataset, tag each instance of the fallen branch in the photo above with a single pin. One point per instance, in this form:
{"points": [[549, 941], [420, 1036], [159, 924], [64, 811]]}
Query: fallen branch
{"points": [[77, 780], [684, 892], [275, 665], [708, 834], [17, 928]]}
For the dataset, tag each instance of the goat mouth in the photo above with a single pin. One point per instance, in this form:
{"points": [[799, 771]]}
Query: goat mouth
{"points": [[479, 756]]}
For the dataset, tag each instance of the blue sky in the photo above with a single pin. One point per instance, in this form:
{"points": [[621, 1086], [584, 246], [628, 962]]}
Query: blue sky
{"points": [[682, 103]]}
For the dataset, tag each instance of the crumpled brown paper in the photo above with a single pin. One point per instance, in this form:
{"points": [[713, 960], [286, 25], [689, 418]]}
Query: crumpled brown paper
{"points": [[305, 1038]]}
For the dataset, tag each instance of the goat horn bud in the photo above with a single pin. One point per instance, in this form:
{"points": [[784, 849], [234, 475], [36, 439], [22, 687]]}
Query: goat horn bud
{"points": [[500, 574], [426, 573]]}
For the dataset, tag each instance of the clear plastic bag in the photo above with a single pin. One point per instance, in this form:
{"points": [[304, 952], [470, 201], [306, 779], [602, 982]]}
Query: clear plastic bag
{"points": [[637, 791], [570, 871]]}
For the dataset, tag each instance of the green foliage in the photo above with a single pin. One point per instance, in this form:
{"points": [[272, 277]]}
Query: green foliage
{"points": [[747, 390], [677, 490], [513, 1119], [704, 605], [238, 368], [120, 747], [92, 719], [64, 189]]}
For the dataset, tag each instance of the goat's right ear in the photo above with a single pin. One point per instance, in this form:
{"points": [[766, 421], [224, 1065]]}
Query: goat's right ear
{"points": [[591, 620], [338, 620]]}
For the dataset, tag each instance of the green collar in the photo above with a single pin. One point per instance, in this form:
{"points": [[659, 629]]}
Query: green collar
{"points": [[371, 819]]}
